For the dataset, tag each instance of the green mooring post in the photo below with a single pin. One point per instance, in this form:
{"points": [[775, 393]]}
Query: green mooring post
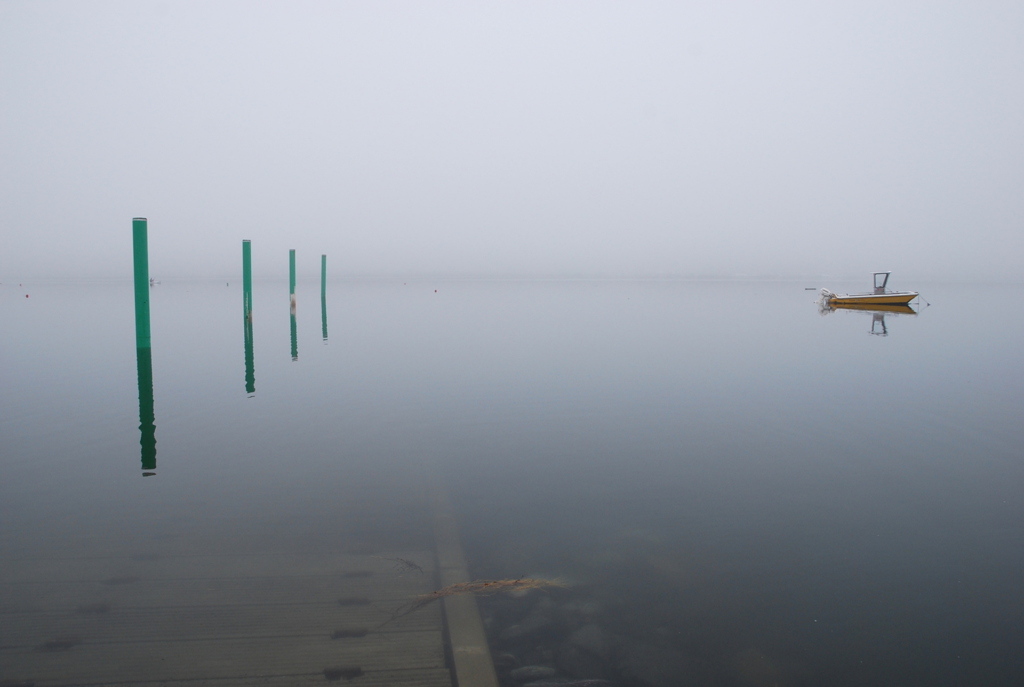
{"points": [[323, 294], [247, 279], [140, 247], [291, 274], [143, 348], [250, 370]]}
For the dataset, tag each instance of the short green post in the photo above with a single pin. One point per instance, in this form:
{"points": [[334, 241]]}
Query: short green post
{"points": [[140, 247], [247, 279], [250, 371], [323, 294], [291, 273]]}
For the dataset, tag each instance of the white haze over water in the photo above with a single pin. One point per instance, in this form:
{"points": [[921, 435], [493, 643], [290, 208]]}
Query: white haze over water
{"points": [[526, 138]]}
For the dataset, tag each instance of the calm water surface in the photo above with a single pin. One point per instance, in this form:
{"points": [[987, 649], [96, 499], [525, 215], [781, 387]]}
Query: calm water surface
{"points": [[735, 489]]}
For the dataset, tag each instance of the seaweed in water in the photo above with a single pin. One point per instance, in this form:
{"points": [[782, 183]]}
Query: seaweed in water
{"points": [[346, 672], [477, 587]]}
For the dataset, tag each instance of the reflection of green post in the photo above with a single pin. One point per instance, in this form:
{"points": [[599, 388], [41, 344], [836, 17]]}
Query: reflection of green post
{"points": [[147, 418], [143, 349], [140, 248], [323, 315], [295, 340], [323, 293], [250, 368], [250, 371]]}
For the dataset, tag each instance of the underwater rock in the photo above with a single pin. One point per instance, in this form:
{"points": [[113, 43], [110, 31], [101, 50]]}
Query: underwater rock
{"points": [[346, 672], [532, 673], [505, 661], [538, 621], [657, 666], [585, 654], [591, 638], [579, 611], [580, 663], [530, 627]]}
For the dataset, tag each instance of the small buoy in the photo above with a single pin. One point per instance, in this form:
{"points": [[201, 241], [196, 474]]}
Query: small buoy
{"points": [[26, 295], [435, 291]]}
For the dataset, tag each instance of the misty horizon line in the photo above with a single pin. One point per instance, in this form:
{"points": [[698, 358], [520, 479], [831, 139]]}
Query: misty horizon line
{"points": [[460, 276]]}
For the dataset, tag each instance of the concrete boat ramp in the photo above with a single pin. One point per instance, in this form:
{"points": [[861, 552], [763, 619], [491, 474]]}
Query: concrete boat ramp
{"points": [[226, 619]]}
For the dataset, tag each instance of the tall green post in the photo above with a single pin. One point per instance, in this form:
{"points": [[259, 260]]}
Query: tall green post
{"points": [[143, 347], [250, 370], [140, 246]]}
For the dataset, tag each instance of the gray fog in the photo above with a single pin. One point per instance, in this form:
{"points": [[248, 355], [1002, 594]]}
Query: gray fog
{"points": [[705, 139]]}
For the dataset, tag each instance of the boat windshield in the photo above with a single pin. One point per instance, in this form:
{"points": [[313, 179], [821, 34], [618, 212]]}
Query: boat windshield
{"points": [[881, 278]]}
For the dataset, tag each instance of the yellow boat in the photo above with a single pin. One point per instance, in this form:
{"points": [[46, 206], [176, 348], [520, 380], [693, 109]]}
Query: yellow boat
{"points": [[880, 296]]}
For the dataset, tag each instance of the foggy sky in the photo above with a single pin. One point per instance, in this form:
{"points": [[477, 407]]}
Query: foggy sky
{"points": [[517, 138]]}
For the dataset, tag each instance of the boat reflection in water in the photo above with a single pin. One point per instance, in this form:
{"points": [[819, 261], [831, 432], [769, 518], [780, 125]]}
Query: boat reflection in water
{"points": [[878, 312]]}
